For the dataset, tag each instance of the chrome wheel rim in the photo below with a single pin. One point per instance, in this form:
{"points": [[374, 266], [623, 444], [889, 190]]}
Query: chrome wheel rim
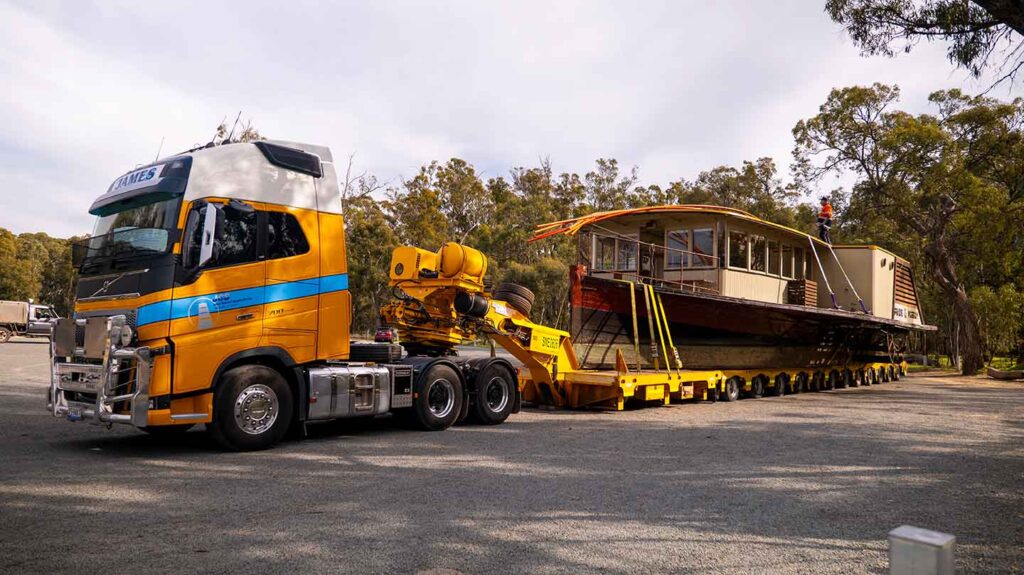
{"points": [[441, 398], [256, 409], [496, 393]]}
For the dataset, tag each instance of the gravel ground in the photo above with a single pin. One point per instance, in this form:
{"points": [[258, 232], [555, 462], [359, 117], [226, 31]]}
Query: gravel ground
{"points": [[803, 484]]}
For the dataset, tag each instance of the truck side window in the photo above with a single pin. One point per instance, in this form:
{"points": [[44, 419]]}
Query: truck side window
{"points": [[236, 240], [284, 236]]}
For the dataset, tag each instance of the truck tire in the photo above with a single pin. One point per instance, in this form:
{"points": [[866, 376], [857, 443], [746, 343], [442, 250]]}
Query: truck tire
{"points": [[520, 298], [757, 387], [521, 291], [732, 390], [781, 381], [437, 398], [5, 335], [494, 396], [870, 377], [252, 408]]}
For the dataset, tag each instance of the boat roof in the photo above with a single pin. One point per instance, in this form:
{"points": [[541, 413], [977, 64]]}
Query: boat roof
{"points": [[572, 226]]}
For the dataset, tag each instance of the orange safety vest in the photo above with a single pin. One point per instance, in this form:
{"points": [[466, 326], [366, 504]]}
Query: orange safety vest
{"points": [[826, 211]]}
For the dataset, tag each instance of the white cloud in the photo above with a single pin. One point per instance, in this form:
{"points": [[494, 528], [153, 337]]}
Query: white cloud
{"points": [[90, 89]]}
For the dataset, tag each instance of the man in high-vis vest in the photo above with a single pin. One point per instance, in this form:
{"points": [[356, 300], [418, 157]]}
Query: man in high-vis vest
{"points": [[825, 220]]}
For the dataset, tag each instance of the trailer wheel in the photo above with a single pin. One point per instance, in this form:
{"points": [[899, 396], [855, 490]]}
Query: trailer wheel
{"points": [[437, 398], [732, 389], [252, 408], [757, 387], [818, 381], [799, 383], [494, 396], [858, 378], [780, 385], [832, 380], [892, 373], [712, 393], [870, 377], [5, 335]]}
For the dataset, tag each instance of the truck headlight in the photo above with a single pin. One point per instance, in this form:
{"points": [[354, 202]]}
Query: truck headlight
{"points": [[126, 335]]}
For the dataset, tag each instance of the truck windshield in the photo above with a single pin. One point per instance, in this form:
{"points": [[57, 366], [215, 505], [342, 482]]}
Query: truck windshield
{"points": [[144, 228]]}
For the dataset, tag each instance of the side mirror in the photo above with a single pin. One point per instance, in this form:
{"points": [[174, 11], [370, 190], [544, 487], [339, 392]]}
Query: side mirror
{"points": [[208, 234]]}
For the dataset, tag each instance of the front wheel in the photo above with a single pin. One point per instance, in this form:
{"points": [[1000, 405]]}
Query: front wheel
{"points": [[252, 408], [5, 335], [437, 399], [494, 396]]}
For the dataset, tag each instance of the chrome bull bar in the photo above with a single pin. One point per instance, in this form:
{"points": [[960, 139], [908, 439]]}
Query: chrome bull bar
{"points": [[93, 362]]}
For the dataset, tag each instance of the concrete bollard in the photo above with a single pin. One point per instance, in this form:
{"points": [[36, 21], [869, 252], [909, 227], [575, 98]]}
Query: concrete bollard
{"points": [[916, 551]]}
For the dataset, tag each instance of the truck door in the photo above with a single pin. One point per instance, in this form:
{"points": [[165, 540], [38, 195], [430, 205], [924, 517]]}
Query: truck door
{"points": [[218, 311], [293, 281], [40, 321]]}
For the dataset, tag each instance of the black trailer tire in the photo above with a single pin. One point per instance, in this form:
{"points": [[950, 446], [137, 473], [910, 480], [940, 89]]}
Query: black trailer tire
{"points": [[858, 378], [894, 373], [818, 381], [799, 383], [781, 381], [713, 393], [883, 374], [832, 380], [515, 295], [495, 395], [252, 408], [757, 387], [521, 291], [5, 335], [870, 377], [437, 398], [732, 389], [517, 303]]}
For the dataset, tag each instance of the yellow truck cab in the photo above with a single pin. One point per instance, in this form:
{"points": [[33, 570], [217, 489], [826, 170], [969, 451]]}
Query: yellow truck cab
{"points": [[214, 289]]}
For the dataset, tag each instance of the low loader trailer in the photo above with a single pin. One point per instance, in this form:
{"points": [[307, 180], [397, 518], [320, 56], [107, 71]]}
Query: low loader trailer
{"points": [[437, 309]]}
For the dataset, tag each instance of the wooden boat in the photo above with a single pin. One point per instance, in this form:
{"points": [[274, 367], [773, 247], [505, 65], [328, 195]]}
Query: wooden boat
{"points": [[738, 292]]}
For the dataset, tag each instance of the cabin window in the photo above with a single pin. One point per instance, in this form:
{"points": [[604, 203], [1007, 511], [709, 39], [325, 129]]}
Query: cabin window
{"points": [[798, 263], [627, 255], [677, 244], [787, 261], [604, 253], [738, 250], [757, 253], [703, 248], [774, 258]]}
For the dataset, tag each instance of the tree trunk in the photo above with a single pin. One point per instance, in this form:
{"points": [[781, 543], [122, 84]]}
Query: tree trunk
{"points": [[943, 271]]}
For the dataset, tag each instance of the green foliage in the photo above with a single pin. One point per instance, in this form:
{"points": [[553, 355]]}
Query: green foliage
{"points": [[38, 267], [976, 32], [1001, 314]]}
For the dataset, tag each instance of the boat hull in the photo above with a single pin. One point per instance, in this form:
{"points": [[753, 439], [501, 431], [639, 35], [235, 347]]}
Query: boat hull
{"points": [[715, 332]]}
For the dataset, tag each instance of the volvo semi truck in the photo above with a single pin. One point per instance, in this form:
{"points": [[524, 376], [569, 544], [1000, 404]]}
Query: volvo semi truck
{"points": [[214, 290]]}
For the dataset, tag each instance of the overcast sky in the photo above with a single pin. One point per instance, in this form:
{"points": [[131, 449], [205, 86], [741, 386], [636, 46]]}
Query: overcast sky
{"points": [[89, 89]]}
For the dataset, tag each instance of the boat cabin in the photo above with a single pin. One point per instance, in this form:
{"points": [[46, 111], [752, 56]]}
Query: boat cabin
{"points": [[730, 253]]}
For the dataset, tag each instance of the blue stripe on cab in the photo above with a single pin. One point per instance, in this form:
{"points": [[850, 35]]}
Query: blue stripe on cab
{"points": [[224, 301]]}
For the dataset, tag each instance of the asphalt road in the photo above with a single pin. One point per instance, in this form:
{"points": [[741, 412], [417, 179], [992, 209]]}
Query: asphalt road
{"points": [[803, 484]]}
